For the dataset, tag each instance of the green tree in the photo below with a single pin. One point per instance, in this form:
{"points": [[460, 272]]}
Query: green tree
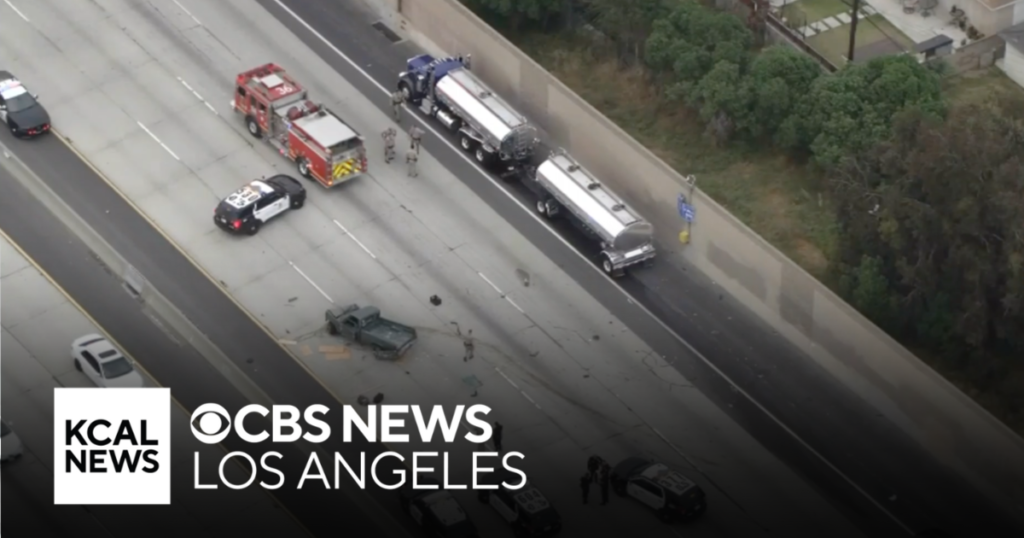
{"points": [[941, 203], [516, 12], [627, 23], [852, 110], [778, 76], [723, 99], [868, 289], [688, 44]]}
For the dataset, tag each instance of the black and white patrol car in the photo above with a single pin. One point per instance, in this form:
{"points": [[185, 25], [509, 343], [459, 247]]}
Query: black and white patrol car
{"points": [[20, 110], [250, 207], [526, 509], [436, 511], [670, 494]]}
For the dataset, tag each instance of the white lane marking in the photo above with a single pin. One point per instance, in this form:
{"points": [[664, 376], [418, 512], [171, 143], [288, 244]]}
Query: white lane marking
{"points": [[311, 283], [354, 238], [16, 10], [521, 391], [501, 293], [153, 136], [513, 383], [187, 12], [200, 97], [487, 280], [514, 305], [657, 320]]}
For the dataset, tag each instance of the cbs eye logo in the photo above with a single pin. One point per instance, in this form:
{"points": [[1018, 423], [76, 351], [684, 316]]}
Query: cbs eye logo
{"points": [[211, 423]]}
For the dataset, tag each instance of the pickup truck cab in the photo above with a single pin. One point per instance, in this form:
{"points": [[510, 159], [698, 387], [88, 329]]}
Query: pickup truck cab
{"points": [[365, 326]]}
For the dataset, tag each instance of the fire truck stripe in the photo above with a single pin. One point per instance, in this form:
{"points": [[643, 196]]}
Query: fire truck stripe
{"points": [[344, 168]]}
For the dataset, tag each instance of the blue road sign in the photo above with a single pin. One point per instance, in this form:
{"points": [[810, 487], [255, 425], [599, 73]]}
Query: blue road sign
{"points": [[685, 210]]}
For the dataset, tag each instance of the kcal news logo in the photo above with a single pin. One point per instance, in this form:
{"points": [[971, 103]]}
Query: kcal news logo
{"points": [[112, 446]]}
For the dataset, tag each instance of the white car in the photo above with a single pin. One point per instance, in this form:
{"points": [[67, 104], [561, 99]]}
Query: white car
{"points": [[10, 445], [102, 363]]}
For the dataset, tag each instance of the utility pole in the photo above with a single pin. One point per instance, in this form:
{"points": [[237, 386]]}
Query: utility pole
{"points": [[853, 31]]}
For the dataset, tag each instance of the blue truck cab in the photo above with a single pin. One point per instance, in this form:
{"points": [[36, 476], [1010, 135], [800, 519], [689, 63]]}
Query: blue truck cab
{"points": [[422, 73]]}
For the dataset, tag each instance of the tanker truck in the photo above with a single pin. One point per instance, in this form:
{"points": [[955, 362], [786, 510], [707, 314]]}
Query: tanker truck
{"points": [[564, 188], [446, 90]]}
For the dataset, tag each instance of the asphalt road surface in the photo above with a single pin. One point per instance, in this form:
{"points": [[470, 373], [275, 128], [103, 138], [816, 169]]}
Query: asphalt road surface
{"points": [[138, 89], [865, 446], [60, 253], [38, 325], [103, 210]]}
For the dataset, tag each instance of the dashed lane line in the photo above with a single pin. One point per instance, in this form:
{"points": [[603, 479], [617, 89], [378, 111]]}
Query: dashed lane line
{"points": [[16, 10], [187, 12], [311, 283], [153, 136], [750, 398], [502, 294], [356, 239], [521, 391], [200, 97]]}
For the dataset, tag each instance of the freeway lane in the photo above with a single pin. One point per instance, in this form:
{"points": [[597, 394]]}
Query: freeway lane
{"points": [[39, 322], [71, 263], [561, 371], [866, 446]]}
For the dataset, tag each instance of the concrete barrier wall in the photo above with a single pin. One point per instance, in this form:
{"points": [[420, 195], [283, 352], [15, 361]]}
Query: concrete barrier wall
{"points": [[799, 307], [978, 55]]}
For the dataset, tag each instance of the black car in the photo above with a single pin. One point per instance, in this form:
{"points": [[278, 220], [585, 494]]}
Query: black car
{"points": [[435, 510], [250, 207], [670, 494], [20, 110], [525, 509]]}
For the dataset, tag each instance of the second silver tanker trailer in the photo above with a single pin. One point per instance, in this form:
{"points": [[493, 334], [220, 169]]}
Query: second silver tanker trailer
{"points": [[563, 187]]}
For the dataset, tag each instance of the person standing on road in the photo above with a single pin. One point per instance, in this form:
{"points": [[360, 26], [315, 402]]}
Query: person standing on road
{"points": [[585, 481], [605, 481], [389, 135], [415, 136], [468, 344], [396, 105], [497, 435], [410, 159], [593, 464]]}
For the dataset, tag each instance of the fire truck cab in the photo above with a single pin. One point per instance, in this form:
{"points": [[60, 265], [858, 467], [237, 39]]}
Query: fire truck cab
{"points": [[278, 110]]}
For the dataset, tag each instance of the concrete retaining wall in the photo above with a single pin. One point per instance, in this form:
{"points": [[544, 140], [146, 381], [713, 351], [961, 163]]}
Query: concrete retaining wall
{"points": [[949, 423], [977, 55]]}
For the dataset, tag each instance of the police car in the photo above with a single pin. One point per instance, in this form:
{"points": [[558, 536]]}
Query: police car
{"points": [[526, 509], [670, 494], [20, 110], [250, 207], [436, 511]]}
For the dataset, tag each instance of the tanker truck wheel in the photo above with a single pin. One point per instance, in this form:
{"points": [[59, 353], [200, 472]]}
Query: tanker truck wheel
{"points": [[542, 208], [466, 142], [606, 264], [482, 156]]}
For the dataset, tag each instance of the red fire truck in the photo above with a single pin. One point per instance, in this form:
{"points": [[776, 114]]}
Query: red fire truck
{"points": [[277, 109]]}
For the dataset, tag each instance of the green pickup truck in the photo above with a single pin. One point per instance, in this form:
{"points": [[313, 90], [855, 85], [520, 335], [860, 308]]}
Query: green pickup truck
{"points": [[365, 326]]}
